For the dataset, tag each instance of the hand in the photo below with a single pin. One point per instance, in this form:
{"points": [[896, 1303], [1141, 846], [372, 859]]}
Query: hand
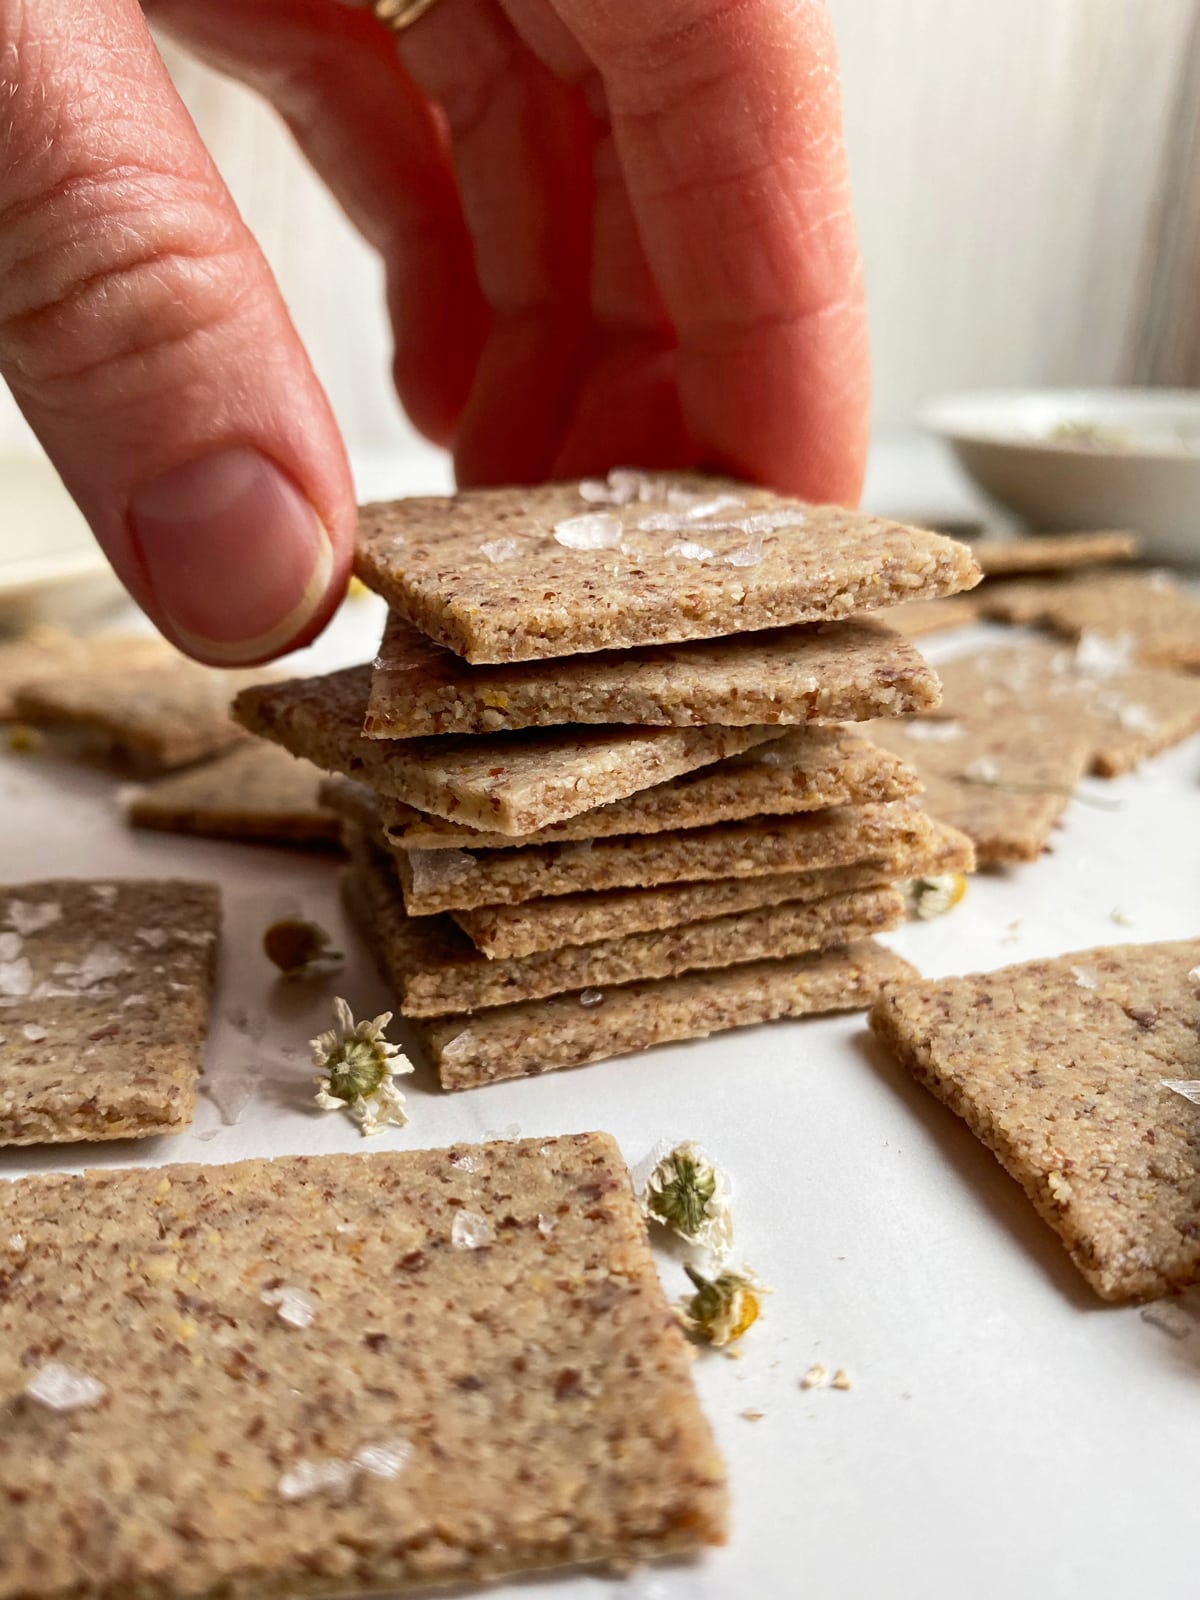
{"points": [[623, 235]]}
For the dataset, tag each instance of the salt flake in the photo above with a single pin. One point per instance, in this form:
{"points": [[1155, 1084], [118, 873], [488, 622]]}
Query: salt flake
{"points": [[594, 530], [386, 1459], [689, 550], [930, 732], [982, 770], [231, 1094], [61, 1388], [16, 977], [29, 916], [470, 1231], [10, 946], [292, 1305], [500, 550], [1085, 977], [315, 1477], [590, 997], [33, 1033], [1189, 1088], [1172, 1319]]}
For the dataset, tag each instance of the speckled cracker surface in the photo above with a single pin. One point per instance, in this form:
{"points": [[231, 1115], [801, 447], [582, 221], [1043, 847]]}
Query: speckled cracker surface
{"points": [[104, 1000], [518, 930], [452, 880], [832, 672], [257, 792], [151, 719], [543, 1035], [436, 970], [1003, 777], [808, 769], [477, 1373], [1054, 552], [46, 653], [1129, 711], [1057, 1066], [511, 783], [514, 575], [1150, 609]]}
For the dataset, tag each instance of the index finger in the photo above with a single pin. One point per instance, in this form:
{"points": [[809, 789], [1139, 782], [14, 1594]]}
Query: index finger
{"points": [[727, 120]]}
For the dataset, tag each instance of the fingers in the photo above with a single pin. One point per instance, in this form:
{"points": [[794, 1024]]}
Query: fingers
{"points": [[727, 121], [146, 343], [334, 76], [521, 141]]}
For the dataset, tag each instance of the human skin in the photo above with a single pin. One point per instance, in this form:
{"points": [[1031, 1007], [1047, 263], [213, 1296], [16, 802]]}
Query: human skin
{"points": [[614, 233]]}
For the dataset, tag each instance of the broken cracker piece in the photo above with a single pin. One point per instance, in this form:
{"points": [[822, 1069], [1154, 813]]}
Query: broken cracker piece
{"points": [[1053, 552], [1062, 1081], [46, 653], [256, 793], [105, 990], [447, 1407], [519, 574], [1160, 619]]}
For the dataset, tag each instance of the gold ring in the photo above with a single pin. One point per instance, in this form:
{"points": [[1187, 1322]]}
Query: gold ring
{"points": [[396, 15]]}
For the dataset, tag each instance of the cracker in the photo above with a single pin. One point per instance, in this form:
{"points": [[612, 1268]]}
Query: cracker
{"points": [[1149, 609], [1057, 1066], [1002, 776], [519, 930], [147, 719], [436, 970], [454, 880], [104, 999], [1054, 552], [510, 783], [257, 793], [918, 617], [46, 653], [1129, 712], [543, 1035], [832, 672], [448, 1414], [483, 573], [808, 769]]}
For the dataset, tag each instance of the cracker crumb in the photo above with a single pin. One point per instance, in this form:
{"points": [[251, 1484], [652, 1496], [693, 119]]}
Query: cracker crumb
{"points": [[751, 1415], [816, 1377], [841, 1380], [1120, 917], [1170, 1318]]}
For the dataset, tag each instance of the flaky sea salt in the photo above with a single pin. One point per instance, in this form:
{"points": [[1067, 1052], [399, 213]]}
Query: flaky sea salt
{"points": [[499, 550], [1189, 1088], [932, 732], [31, 916], [10, 946], [748, 556], [590, 997], [231, 1093], [61, 1388], [982, 770], [465, 1161], [154, 937], [594, 530], [16, 977], [292, 1305], [546, 1225], [470, 1231], [16, 1243], [33, 1033], [387, 1459], [316, 1477], [689, 550], [1085, 977], [1172, 1319], [1136, 719], [106, 893], [1098, 655], [103, 961]]}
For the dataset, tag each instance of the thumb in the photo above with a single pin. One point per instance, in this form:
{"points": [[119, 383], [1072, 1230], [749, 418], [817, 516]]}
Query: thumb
{"points": [[144, 338]]}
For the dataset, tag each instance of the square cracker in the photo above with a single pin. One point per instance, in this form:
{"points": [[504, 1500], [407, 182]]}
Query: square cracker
{"points": [[1054, 552], [483, 572], [46, 653], [1057, 1066], [1160, 620], [809, 769], [1003, 777], [449, 1413], [104, 1000], [149, 719], [519, 930], [457, 880], [538, 1036], [437, 971], [917, 617], [832, 672], [257, 793], [1129, 711], [510, 783]]}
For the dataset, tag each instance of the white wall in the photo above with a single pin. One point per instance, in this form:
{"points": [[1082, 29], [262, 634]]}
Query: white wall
{"points": [[1005, 156]]}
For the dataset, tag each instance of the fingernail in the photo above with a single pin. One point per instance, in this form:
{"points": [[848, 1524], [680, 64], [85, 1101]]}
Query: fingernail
{"points": [[237, 558]]}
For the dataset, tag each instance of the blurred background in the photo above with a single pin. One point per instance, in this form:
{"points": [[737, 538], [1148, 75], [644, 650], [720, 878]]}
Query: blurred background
{"points": [[1026, 179]]}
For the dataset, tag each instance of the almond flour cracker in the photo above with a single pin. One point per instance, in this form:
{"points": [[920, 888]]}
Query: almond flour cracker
{"points": [[257, 793], [834, 672], [1057, 1067], [1149, 609], [511, 783], [341, 1375], [520, 574], [104, 999]]}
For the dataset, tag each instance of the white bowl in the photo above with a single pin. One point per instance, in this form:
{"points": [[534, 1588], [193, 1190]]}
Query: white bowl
{"points": [[1085, 458]]}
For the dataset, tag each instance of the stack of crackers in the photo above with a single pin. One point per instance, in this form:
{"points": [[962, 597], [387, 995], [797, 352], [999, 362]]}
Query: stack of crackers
{"points": [[602, 787]]}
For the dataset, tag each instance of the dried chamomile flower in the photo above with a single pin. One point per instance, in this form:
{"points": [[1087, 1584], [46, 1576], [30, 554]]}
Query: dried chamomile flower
{"points": [[356, 589], [932, 896], [22, 740], [300, 949], [688, 1193], [359, 1065], [723, 1307]]}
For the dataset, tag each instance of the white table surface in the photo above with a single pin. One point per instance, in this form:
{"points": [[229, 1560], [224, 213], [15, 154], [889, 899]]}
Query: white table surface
{"points": [[1006, 1434]]}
